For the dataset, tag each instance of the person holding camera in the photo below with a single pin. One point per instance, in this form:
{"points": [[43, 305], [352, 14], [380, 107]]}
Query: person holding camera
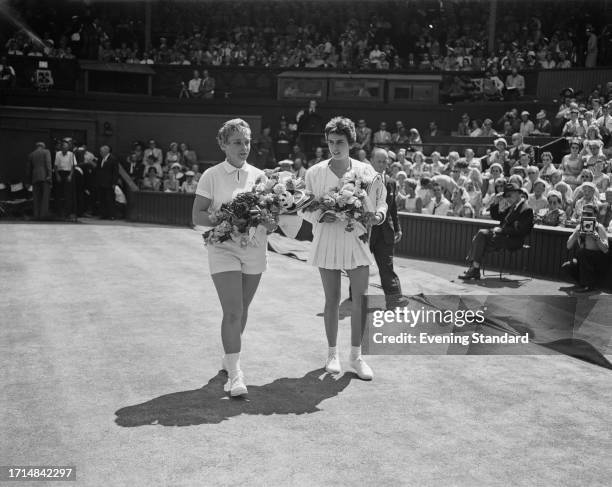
{"points": [[591, 243]]}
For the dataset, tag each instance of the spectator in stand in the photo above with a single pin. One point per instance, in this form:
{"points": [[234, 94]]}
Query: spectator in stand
{"points": [[460, 204], [172, 182], [572, 165], [486, 130], [605, 123], [527, 127], [7, 74], [601, 180], [574, 127], [433, 129], [151, 182], [470, 161], [554, 216], [537, 199], [475, 197], [515, 85], [492, 87], [364, 136], [514, 152], [438, 205], [208, 85], [463, 129], [408, 200], [265, 149], [298, 169], [319, 156], [419, 168], [400, 139], [155, 152], [500, 155], [195, 85], [547, 168], [190, 184], [189, 157], [382, 138], [173, 155], [414, 140], [542, 125], [512, 118], [133, 167], [362, 156], [40, 176], [592, 50]]}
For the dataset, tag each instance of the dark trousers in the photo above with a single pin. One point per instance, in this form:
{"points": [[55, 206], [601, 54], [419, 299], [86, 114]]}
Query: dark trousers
{"points": [[383, 254], [588, 267], [107, 202], [64, 194], [40, 196], [485, 241]]}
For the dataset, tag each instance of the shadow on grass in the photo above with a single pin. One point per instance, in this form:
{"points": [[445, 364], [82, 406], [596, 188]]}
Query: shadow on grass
{"points": [[211, 405]]}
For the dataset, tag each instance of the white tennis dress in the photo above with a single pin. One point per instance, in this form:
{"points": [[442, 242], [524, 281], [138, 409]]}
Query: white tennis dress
{"points": [[332, 246]]}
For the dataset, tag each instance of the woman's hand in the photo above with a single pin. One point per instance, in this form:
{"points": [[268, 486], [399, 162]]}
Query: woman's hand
{"points": [[328, 217]]}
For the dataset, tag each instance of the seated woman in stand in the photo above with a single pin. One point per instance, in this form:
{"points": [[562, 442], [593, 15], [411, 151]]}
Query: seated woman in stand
{"points": [[410, 202], [555, 215], [151, 182], [460, 204], [572, 165]]}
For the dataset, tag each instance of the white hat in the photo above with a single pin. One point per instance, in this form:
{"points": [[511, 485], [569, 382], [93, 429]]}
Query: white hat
{"points": [[189, 173], [176, 164]]}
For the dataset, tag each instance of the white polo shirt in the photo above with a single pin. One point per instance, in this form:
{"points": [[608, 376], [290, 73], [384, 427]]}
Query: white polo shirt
{"points": [[221, 183]]}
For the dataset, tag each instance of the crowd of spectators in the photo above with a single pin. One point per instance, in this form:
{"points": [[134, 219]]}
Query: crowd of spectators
{"points": [[388, 35], [173, 170], [465, 185]]}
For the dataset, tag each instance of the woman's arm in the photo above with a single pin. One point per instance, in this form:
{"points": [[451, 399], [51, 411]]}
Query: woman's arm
{"points": [[310, 216], [199, 213]]}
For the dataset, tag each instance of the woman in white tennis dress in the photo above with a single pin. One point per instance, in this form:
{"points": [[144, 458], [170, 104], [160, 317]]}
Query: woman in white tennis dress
{"points": [[333, 248]]}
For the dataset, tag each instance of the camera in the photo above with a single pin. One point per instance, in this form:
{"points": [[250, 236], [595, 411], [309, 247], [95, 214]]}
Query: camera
{"points": [[587, 224]]}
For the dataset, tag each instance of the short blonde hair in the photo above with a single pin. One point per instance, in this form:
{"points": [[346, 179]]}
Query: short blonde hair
{"points": [[231, 127]]}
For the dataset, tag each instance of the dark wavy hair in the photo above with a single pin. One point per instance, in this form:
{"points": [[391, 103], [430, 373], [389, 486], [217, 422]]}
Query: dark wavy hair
{"points": [[341, 126]]}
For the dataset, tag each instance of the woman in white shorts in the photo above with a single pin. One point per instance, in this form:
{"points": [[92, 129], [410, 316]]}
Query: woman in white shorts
{"points": [[334, 249], [235, 270]]}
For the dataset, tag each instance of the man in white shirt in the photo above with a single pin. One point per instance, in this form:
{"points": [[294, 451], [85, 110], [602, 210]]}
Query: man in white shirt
{"points": [[195, 85], [439, 205], [527, 127], [515, 84]]}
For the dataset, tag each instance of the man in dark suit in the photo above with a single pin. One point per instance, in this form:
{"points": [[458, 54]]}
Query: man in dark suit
{"points": [[39, 175], [384, 236], [516, 219], [310, 127], [106, 177]]}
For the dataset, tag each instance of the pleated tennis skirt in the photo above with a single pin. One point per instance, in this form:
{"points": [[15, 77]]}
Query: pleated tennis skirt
{"points": [[335, 248]]}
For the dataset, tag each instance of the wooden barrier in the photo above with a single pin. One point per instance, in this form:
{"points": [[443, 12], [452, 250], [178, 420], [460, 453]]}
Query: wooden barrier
{"points": [[431, 237], [449, 239], [158, 207]]}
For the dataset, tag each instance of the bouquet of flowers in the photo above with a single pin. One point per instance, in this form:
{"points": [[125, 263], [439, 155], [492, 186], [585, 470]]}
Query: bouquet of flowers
{"points": [[349, 202], [275, 194]]}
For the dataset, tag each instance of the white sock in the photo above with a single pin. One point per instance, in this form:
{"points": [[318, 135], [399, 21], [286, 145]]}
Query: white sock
{"points": [[233, 363], [332, 351], [355, 352]]}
